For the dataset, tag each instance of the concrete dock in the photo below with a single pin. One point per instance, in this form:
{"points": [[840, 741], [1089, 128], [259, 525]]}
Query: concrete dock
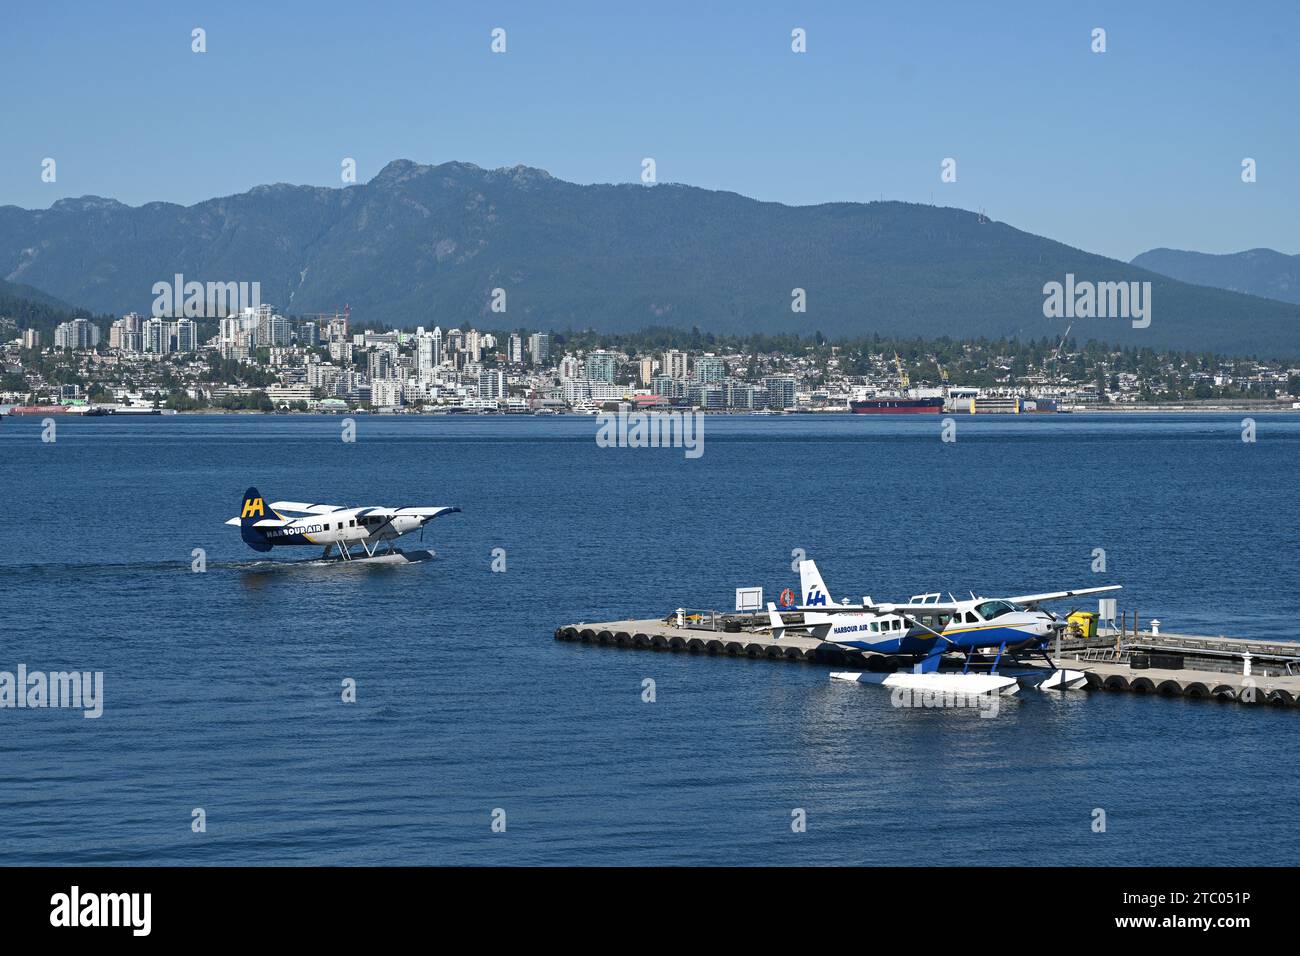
{"points": [[1212, 668]]}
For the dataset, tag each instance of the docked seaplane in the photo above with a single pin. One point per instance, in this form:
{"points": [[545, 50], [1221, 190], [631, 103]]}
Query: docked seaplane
{"points": [[993, 634], [265, 526]]}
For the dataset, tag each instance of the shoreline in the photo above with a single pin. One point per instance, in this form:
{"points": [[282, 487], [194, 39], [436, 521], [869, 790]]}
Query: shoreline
{"points": [[1126, 410]]}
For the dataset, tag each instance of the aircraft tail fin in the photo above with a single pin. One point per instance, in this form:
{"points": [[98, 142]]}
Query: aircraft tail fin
{"points": [[774, 617], [811, 585], [253, 509]]}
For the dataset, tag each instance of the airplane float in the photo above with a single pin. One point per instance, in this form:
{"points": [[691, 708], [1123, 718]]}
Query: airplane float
{"points": [[924, 629], [265, 526]]}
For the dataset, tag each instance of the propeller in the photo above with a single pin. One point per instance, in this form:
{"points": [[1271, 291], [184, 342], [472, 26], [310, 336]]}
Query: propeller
{"points": [[1061, 622]]}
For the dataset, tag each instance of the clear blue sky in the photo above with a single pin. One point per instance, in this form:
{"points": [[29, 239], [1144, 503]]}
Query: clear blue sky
{"points": [[1117, 152]]}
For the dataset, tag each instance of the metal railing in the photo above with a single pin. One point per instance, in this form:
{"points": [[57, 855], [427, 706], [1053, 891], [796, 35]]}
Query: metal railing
{"points": [[697, 619], [1104, 655]]}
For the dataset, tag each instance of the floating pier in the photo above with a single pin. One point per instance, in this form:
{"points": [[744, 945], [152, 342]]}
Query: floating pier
{"points": [[1143, 662]]}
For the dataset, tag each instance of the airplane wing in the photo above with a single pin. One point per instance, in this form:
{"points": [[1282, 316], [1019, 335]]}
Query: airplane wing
{"points": [[1031, 599], [263, 522], [303, 507], [1027, 600], [914, 609], [428, 514]]}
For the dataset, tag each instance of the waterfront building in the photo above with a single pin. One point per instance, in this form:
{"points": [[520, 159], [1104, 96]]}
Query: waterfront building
{"points": [[492, 384], [601, 366], [77, 334], [780, 391], [674, 364], [709, 369], [539, 347]]}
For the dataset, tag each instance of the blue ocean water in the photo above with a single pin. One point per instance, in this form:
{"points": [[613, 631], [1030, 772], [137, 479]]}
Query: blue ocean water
{"points": [[222, 689]]}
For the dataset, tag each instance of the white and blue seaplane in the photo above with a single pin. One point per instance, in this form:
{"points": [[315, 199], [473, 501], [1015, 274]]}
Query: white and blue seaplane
{"points": [[265, 526], [992, 633]]}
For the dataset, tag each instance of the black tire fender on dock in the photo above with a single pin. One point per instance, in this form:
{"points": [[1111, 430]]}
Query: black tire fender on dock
{"points": [[1196, 689], [605, 637], [1115, 682], [677, 642], [1281, 698], [1094, 681], [695, 645], [753, 650], [1170, 688], [586, 635], [1142, 685], [714, 647], [829, 654], [1224, 692], [734, 647], [1251, 694], [793, 654]]}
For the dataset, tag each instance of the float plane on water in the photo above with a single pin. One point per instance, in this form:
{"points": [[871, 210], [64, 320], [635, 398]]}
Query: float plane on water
{"points": [[925, 628], [265, 526]]}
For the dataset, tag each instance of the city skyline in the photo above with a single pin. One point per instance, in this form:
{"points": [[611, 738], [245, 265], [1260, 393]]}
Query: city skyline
{"points": [[261, 360]]}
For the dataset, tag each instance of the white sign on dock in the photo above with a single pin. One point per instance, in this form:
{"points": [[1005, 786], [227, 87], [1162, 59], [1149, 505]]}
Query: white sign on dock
{"points": [[749, 599]]}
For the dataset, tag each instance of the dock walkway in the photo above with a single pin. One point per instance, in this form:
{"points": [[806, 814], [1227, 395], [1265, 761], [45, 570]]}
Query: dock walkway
{"points": [[1212, 666]]}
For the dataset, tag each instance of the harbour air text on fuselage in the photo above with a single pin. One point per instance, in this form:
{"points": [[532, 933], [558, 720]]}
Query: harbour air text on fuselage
{"points": [[264, 526]]}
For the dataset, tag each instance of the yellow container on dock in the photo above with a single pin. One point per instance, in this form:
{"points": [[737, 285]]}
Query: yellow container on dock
{"points": [[1085, 622]]}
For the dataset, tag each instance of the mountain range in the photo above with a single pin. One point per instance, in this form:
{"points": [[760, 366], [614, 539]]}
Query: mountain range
{"points": [[1261, 272], [427, 245]]}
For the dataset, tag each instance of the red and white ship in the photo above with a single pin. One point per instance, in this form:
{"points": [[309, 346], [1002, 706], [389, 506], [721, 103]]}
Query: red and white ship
{"points": [[897, 405], [906, 402]]}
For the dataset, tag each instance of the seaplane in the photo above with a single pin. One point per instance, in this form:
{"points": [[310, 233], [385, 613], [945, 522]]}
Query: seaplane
{"points": [[265, 526], [993, 634]]}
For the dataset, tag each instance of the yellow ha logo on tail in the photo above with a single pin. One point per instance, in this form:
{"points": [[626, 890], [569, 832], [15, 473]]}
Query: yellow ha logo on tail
{"points": [[253, 506]]}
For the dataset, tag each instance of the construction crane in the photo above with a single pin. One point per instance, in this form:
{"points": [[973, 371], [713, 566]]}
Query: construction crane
{"points": [[1056, 353], [903, 380]]}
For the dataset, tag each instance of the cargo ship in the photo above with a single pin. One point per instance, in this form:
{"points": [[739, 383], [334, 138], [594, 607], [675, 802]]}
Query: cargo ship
{"points": [[40, 410], [897, 405], [84, 411], [905, 401]]}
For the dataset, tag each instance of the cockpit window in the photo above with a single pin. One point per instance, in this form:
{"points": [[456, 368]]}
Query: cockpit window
{"points": [[991, 609]]}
